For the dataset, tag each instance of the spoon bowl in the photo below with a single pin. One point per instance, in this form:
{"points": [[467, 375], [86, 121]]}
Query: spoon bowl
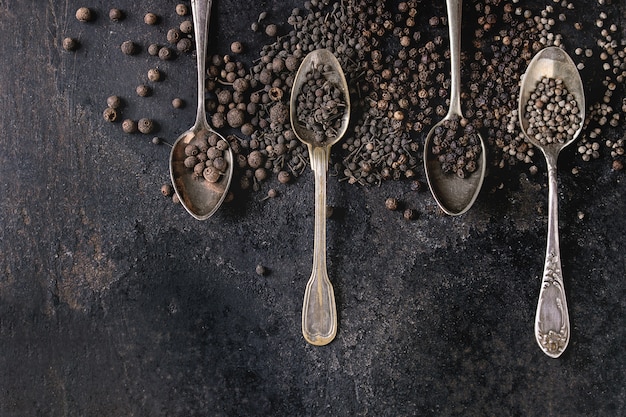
{"points": [[199, 197], [319, 312], [552, 327], [453, 194]]}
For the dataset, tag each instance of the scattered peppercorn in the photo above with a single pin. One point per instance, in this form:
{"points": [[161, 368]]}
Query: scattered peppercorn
{"points": [[116, 15], [109, 114], [114, 102], [153, 49], [145, 125], [150, 19], [177, 103], [391, 203], [236, 47], [128, 47], [165, 53], [260, 270], [186, 26], [84, 14], [167, 190], [271, 30], [129, 126], [182, 10], [154, 74], [143, 90], [70, 44]]}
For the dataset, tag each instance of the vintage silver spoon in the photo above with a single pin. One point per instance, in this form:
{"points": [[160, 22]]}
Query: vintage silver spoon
{"points": [[453, 194], [199, 197], [552, 328], [319, 313]]}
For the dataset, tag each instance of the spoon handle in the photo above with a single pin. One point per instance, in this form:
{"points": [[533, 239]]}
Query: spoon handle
{"points": [[455, 11], [319, 313], [552, 327], [201, 11]]}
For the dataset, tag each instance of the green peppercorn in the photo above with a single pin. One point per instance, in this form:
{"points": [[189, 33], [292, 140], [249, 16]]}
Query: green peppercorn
{"points": [[84, 14]]}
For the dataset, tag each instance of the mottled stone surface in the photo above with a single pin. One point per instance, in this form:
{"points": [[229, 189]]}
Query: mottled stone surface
{"points": [[115, 302]]}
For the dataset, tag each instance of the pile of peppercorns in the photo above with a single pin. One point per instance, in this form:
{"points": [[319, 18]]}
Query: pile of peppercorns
{"points": [[457, 146]]}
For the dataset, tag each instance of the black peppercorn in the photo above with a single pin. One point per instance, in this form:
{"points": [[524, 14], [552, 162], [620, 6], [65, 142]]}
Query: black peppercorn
{"points": [[182, 10], [236, 47], [114, 102], [154, 74], [153, 49], [184, 45], [174, 35], [186, 26], [165, 53], [143, 90]]}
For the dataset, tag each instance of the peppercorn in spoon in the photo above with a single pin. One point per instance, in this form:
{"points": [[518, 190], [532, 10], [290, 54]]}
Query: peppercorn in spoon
{"points": [[551, 114], [319, 113], [454, 161], [201, 161]]}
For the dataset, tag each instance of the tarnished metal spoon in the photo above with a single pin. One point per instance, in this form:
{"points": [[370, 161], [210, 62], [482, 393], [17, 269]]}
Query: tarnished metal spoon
{"points": [[552, 328], [199, 197], [453, 194], [319, 312]]}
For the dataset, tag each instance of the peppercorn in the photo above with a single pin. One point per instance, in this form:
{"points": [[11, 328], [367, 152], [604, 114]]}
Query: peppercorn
{"points": [[153, 49], [129, 126], [182, 10], [260, 270], [271, 30], [255, 159], [84, 14], [184, 45], [186, 26], [236, 47], [211, 174], [174, 35], [145, 125], [165, 53], [154, 74], [409, 214], [143, 90], [109, 114], [166, 190], [128, 48], [391, 203], [70, 44], [150, 19], [114, 102], [284, 177], [116, 15], [177, 103]]}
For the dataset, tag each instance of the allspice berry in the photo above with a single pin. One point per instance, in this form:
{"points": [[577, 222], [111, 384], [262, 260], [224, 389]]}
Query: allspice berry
{"points": [[150, 19], [109, 114], [236, 47], [186, 26], [184, 45], [154, 74], [177, 103], [128, 47], [114, 102], [116, 15], [165, 53], [145, 125], [153, 49], [182, 9], [83, 14], [409, 214], [391, 203], [143, 90], [174, 35], [70, 44], [235, 117], [166, 190], [260, 270], [255, 159], [271, 30], [284, 177], [129, 126]]}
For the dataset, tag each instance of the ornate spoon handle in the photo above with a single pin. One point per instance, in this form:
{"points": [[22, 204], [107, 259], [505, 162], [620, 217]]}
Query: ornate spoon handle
{"points": [[319, 313], [552, 327]]}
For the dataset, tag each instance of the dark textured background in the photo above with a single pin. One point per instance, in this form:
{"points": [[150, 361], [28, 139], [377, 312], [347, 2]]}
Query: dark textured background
{"points": [[115, 302]]}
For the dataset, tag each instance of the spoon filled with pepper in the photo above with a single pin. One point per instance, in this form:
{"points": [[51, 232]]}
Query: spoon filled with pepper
{"points": [[551, 113], [201, 160], [454, 151], [319, 113]]}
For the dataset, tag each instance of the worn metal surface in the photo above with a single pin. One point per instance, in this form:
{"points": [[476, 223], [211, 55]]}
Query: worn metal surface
{"points": [[113, 301]]}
